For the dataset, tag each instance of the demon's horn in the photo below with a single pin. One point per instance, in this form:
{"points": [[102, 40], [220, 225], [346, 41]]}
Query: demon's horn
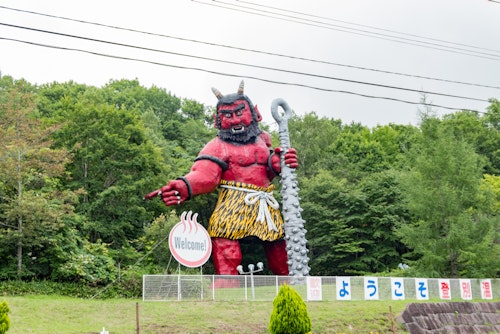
{"points": [[241, 88], [217, 93]]}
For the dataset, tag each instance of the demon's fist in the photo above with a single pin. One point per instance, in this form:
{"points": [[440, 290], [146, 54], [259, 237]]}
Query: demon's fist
{"points": [[290, 159]]}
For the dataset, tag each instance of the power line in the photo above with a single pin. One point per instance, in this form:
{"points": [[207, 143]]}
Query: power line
{"points": [[368, 26], [235, 75], [248, 50], [244, 64], [360, 32], [365, 31]]}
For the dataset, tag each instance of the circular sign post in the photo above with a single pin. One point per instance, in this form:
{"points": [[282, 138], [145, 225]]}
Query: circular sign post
{"points": [[189, 241]]}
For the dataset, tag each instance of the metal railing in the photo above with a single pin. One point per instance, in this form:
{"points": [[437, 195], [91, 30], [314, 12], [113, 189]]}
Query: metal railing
{"points": [[325, 288]]}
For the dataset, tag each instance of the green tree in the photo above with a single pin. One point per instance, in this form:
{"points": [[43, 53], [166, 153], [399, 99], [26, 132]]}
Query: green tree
{"points": [[384, 211], [92, 264], [4, 317], [482, 132], [479, 256], [121, 151], [155, 243], [311, 136], [441, 188], [33, 205], [176, 128], [350, 225], [360, 153], [332, 212], [490, 194], [351, 197], [289, 313], [395, 141], [115, 164]]}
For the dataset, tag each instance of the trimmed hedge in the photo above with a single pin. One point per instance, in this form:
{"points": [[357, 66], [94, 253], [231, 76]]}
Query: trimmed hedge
{"points": [[289, 314], [4, 317], [123, 289]]}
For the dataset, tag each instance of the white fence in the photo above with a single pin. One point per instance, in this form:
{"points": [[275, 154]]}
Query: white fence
{"points": [[324, 288]]}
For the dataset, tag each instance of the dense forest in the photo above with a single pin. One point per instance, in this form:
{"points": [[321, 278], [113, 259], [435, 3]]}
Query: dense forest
{"points": [[76, 161]]}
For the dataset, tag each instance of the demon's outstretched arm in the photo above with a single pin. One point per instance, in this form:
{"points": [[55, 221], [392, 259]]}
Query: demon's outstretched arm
{"points": [[203, 178]]}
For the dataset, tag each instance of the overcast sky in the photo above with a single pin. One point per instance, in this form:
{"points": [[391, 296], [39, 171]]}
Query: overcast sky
{"points": [[322, 56]]}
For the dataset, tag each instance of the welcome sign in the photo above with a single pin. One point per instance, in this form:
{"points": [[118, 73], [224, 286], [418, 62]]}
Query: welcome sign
{"points": [[189, 241]]}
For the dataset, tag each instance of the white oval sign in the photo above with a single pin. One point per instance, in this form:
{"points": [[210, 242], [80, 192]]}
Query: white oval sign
{"points": [[189, 241]]}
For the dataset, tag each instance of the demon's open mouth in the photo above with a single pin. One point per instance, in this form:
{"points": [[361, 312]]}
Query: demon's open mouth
{"points": [[238, 129]]}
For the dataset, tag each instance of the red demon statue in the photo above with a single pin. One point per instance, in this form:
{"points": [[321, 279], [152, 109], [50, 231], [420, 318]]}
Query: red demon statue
{"points": [[241, 162]]}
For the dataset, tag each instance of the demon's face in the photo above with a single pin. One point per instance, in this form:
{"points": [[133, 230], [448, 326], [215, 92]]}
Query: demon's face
{"points": [[235, 117], [236, 122]]}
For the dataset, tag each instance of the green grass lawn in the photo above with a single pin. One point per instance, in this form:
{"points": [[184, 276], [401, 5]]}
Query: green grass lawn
{"points": [[64, 315]]}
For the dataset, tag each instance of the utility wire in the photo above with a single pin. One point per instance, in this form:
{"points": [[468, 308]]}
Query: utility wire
{"points": [[364, 31], [360, 32], [235, 75], [249, 50], [244, 64], [368, 26]]}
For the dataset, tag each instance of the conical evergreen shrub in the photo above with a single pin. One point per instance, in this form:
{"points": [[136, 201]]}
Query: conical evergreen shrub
{"points": [[4, 317], [289, 314]]}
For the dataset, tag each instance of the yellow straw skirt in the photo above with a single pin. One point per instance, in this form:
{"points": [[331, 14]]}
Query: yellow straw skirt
{"points": [[235, 218]]}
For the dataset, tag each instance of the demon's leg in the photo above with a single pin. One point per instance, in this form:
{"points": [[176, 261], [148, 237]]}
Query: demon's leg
{"points": [[226, 255], [277, 257]]}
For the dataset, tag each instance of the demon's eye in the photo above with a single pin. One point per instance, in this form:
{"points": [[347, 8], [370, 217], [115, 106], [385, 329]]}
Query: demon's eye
{"points": [[238, 112], [227, 114]]}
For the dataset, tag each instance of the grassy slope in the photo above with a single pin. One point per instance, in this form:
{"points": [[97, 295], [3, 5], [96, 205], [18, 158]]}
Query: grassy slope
{"points": [[64, 315]]}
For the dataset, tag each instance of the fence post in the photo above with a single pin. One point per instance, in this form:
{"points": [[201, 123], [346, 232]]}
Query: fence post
{"points": [[213, 287], [137, 317]]}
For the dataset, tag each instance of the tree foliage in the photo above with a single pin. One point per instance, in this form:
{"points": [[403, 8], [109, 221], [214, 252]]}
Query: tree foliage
{"points": [[76, 161], [442, 189], [34, 206], [4, 317], [289, 313]]}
